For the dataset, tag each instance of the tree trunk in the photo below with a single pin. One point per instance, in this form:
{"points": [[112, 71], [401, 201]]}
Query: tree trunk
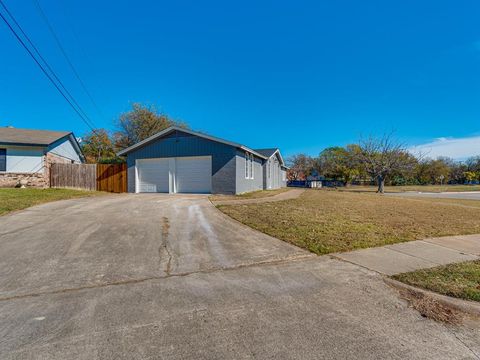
{"points": [[381, 184]]}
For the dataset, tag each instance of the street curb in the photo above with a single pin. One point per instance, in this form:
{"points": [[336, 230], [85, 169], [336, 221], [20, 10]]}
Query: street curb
{"points": [[465, 306]]}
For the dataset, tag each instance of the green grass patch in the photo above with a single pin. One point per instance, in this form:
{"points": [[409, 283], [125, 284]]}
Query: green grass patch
{"points": [[18, 199], [332, 221], [460, 280]]}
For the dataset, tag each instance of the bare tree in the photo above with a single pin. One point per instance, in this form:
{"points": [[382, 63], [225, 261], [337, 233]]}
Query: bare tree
{"points": [[301, 166], [384, 156]]}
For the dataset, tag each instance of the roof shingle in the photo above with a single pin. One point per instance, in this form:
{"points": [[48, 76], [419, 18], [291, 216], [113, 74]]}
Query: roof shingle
{"points": [[30, 137], [266, 152]]}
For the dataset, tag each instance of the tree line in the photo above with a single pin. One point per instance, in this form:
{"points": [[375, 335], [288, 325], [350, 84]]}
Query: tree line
{"points": [[137, 124], [383, 161], [380, 160]]}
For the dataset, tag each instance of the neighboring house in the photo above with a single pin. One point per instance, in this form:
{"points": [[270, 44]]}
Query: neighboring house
{"points": [[177, 160], [28, 154]]}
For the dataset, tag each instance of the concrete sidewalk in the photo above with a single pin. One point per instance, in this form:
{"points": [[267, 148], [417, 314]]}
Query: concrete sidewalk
{"points": [[415, 255], [287, 195], [465, 195]]}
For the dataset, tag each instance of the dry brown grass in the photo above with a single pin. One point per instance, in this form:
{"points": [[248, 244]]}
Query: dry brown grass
{"points": [[329, 221], [431, 308]]}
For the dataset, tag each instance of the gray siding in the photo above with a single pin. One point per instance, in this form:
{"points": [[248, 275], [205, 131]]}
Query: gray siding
{"points": [[273, 174], [24, 159], [246, 185], [181, 144], [64, 148], [283, 175]]}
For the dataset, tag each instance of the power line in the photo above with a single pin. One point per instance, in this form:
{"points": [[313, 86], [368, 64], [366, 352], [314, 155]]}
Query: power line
{"points": [[45, 62], [71, 102], [64, 53]]}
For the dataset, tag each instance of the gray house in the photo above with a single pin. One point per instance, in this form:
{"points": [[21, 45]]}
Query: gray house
{"points": [[178, 160]]}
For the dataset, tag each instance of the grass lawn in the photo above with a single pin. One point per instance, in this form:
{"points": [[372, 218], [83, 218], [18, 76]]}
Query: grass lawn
{"points": [[458, 280], [416, 188], [250, 195], [332, 221], [17, 199]]}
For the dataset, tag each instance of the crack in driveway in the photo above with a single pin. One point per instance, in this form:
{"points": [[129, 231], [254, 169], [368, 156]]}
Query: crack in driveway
{"points": [[150, 278], [164, 246]]}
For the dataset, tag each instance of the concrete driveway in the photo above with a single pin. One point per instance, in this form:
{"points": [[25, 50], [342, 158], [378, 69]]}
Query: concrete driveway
{"points": [[158, 276]]}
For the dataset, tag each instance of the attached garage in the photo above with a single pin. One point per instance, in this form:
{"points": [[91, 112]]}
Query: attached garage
{"points": [[192, 174], [178, 160]]}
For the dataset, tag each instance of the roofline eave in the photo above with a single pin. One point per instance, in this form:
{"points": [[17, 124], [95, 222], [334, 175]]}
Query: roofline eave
{"points": [[176, 128]]}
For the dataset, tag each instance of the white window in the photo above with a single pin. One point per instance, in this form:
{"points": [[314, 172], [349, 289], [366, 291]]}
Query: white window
{"points": [[249, 172], [251, 166]]}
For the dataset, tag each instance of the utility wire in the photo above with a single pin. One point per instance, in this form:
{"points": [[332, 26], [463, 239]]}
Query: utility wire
{"points": [[64, 53], [45, 62], [86, 56], [71, 102]]}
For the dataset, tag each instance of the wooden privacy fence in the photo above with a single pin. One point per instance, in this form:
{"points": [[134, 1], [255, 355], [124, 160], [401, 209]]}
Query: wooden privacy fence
{"points": [[76, 176], [101, 177], [112, 177]]}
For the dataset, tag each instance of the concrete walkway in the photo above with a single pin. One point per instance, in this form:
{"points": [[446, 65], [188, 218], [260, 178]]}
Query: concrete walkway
{"points": [[465, 195], [287, 195], [415, 255]]}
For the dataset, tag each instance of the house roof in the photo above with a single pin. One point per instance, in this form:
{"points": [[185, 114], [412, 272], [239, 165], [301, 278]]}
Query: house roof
{"points": [[267, 152], [270, 152], [202, 135], [28, 137]]}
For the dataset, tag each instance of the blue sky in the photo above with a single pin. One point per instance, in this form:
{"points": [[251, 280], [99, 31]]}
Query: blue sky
{"points": [[300, 75]]}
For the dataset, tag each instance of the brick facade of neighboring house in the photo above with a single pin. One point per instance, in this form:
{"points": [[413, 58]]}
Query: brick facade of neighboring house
{"points": [[33, 180], [26, 156]]}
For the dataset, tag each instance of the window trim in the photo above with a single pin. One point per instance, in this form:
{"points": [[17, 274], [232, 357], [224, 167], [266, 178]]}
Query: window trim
{"points": [[5, 162], [251, 167]]}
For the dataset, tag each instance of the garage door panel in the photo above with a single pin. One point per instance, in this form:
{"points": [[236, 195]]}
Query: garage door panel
{"points": [[194, 174], [152, 175], [191, 174]]}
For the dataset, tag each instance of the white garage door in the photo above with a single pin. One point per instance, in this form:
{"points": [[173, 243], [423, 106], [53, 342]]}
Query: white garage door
{"points": [[181, 175], [152, 175], [193, 174]]}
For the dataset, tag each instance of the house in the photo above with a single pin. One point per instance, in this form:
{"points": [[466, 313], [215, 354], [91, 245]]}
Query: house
{"points": [[177, 160], [26, 155]]}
